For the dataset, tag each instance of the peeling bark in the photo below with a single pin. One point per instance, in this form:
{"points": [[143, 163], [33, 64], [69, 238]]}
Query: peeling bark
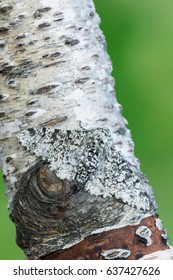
{"points": [[73, 183], [122, 243]]}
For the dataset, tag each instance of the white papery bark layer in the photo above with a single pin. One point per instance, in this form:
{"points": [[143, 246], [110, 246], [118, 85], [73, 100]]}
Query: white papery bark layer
{"points": [[54, 64], [55, 71]]}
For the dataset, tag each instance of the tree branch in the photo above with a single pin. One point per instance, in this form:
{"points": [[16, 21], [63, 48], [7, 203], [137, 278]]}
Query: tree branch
{"points": [[74, 186]]}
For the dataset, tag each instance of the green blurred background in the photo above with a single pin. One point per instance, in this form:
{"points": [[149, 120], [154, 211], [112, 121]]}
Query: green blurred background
{"points": [[139, 36]]}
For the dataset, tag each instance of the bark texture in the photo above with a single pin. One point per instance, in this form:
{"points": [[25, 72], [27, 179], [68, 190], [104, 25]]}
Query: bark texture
{"points": [[73, 183], [121, 243]]}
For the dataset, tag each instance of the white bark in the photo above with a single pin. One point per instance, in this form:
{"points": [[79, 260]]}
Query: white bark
{"points": [[50, 78], [55, 72], [160, 255]]}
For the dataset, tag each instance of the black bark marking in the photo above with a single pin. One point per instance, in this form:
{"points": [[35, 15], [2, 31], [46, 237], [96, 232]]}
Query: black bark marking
{"points": [[71, 42]]}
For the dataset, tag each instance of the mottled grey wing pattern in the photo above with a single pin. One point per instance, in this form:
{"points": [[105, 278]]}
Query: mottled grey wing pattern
{"points": [[90, 159]]}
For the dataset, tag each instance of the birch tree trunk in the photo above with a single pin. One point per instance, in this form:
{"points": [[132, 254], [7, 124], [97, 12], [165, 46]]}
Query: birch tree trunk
{"points": [[74, 186]]}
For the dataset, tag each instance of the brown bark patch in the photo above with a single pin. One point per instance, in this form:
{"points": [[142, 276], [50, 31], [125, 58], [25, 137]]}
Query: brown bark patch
{"points": [[93, 246]]}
